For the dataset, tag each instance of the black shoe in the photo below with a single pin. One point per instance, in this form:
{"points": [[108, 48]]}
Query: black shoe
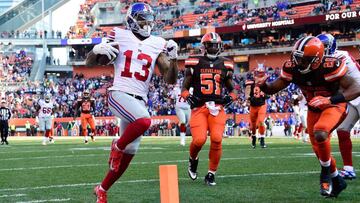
{"points": [[192, 169], [210, 179], [262, 142], [6, 142], [325, 182], [253, 142], [339, 185], [2, 142]]}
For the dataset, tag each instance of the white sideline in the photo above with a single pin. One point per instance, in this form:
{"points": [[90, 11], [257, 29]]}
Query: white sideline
{"points": [[14, 195], [152, 180], [47, 200], [152, 162]]}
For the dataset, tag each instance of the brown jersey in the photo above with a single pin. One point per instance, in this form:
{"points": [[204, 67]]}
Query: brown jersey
{"points": [[208, 77], [323, 81], [86, 105], [257, 97]]}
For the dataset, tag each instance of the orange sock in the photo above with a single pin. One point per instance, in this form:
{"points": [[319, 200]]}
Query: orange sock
{"points": [[215, 155], [333, 165], [324, 150], [194, 150], [262, 129]]}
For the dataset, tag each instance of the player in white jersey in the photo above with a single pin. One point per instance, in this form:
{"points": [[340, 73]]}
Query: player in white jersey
{"points": [[343, 131], [300, 110], [183, 112], [137, 54], [45, 113]]}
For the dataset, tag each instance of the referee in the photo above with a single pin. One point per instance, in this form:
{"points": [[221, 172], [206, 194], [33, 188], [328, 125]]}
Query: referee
{"points": [[5, 115]]}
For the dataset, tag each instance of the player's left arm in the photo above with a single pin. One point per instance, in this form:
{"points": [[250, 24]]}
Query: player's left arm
{"points": [[167, 62], [351, 88]]}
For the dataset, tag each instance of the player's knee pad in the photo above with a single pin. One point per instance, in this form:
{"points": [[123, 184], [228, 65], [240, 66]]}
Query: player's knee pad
{"points": [[215, 145], [199, 142], [321, 136], [133, 147]]}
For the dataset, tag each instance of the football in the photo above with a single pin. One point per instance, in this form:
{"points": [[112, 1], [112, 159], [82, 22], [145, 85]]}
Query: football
{"points": [[104, 60]]}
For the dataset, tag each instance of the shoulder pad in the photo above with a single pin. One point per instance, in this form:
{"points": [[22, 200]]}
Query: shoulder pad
{"points": [[334, 68], [191, 61]]}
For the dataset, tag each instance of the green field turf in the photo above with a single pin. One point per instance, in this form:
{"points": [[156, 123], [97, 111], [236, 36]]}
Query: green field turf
{"points": [[67, 171]]}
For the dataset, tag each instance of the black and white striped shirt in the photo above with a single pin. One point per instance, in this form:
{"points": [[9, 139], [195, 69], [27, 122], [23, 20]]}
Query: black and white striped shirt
{"points": [[5, 114]]}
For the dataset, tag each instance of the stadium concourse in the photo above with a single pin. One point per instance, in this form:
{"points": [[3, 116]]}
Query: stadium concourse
{"points": [[257, 36]]}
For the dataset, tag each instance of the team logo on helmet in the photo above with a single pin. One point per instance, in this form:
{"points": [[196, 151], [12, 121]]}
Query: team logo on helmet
{"points": [[212, 45], [140, 19]]}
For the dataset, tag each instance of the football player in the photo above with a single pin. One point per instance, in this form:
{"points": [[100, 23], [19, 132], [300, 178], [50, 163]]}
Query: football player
{"points": [[86, 104], [183, 113], [137, 54], [258, 105], [343, 131], [300, 110], [208, 75], [45, 109], [320, 79]]}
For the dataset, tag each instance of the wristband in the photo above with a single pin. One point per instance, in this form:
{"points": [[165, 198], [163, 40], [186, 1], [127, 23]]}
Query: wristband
{"points": [[337, 98]]}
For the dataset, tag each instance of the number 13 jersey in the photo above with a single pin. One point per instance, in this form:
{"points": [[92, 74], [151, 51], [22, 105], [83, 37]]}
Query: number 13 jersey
{"points": [[136, 60], [208, 77]]}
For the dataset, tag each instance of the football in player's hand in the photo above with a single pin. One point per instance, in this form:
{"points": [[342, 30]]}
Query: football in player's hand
{"points": [[103, 59]]}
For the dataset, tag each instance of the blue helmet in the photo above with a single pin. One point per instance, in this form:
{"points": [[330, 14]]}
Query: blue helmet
{"points": [[140, 19], [329, 42]]}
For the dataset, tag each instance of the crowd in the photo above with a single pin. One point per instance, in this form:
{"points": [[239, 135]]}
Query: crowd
{"points": [[15, 67], [32, 34]]}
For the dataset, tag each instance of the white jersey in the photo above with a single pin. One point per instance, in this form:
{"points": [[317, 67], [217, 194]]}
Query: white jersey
{"points": [[180, 101], [46, 109], [135, 63], [302, 105], [353, 69]]}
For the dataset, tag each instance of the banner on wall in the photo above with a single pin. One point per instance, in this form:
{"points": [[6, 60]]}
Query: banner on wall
{"points": [[340, 16]]}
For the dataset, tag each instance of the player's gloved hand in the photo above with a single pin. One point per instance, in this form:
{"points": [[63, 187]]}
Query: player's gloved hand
{"points": [[106, 48], [193, 100], [171, 49], [260, 79], [228, 99], [320, 102]]}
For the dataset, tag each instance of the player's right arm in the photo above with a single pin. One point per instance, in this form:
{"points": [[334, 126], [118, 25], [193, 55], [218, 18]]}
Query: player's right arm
{"points": [[280, 83]]}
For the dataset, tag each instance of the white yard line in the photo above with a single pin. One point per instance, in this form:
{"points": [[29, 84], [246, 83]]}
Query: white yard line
{"points": [[47, 200], [153, 180], [19, 151], [14, 195], [51, 157], [148, 162]]}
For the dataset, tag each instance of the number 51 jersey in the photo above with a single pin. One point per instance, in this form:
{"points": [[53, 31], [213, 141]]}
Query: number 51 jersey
{"points": [[208, 77], [136, 60]]}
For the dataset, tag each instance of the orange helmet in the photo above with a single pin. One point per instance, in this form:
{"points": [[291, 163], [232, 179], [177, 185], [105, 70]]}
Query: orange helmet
{"points": [[308, 54], [212, 45]]}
